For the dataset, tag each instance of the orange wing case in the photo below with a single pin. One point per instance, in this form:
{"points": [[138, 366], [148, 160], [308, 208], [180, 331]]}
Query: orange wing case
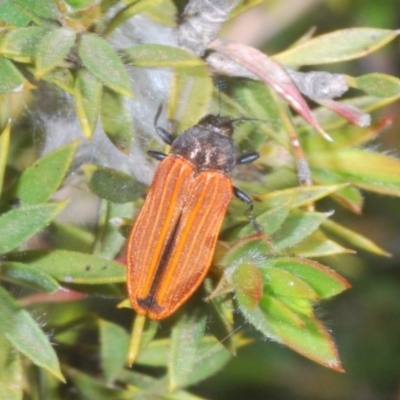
{"points": [[172, 243]]}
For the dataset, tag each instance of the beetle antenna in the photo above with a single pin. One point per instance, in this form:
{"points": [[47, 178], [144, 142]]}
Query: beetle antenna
{"points": [[157, 116]]}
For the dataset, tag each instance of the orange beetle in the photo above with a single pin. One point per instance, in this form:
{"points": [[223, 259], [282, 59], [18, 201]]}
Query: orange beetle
{"points": [[172, 243]]}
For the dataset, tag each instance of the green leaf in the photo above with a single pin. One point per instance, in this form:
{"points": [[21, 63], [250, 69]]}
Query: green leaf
{"points": [[52, 49], [349, 196], [252, 249], [365, 169], [256, 101], [296, 228], [378, 85], [22, 223], [102, 61], [280, 282], [305, 335], [39, 182], [117, 120], [296, 197], [276, 308], [135, 7], [11, 80], [44, 14], [109, 239], [88, 91], [42, 8], [70, 237], [353, 238], [191, 87], [161, 56], [73, 267], [25, 275], [4, 148], [185, 341], [24, 334], [20, 44], [164, 13], [113, 185], [61, 77], [155, 354], [11, 377], [249, 284], [338, 46], [318, 245], [270, 220], [190, 98], [11, 14], [325, 282], [114, 342], [212, 357], [311, 340], [91, 388]]}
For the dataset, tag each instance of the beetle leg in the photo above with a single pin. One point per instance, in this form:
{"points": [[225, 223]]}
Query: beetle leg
{"points": [[157, 155], [163, 133], [248, 158], [249, 214]]}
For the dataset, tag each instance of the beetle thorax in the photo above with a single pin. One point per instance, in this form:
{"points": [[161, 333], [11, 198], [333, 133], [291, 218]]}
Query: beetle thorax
{"points": [[206, 148]]}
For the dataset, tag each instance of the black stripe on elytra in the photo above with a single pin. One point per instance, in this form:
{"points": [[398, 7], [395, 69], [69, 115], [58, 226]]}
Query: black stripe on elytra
{"points": [[149, 302]]}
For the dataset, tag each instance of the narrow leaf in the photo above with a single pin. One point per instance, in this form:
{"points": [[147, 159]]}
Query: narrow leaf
{"points": [[129, 11], [4, 147], [25, 275], [249, 285], [324, 281], [52, 49], [20, 44], [349, 196], [298, 197], [271, 220], [11, 376], [11, 80], [157, 55], [20, 224], [88, 91], [102, 61], [114, 342], [190, 97], [22, 331], [318, 245], [354, 238], [272, 74], [280, 282], [366, 169], [212, 357], [296, 228], [308, 338], [109, 240], [9, 12], [186, 339], [61, 77], [73, 267], [378, 85], [113, 185], [39, 182], [311, 340], [342, 45], [116, 119], [92, 388]]}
